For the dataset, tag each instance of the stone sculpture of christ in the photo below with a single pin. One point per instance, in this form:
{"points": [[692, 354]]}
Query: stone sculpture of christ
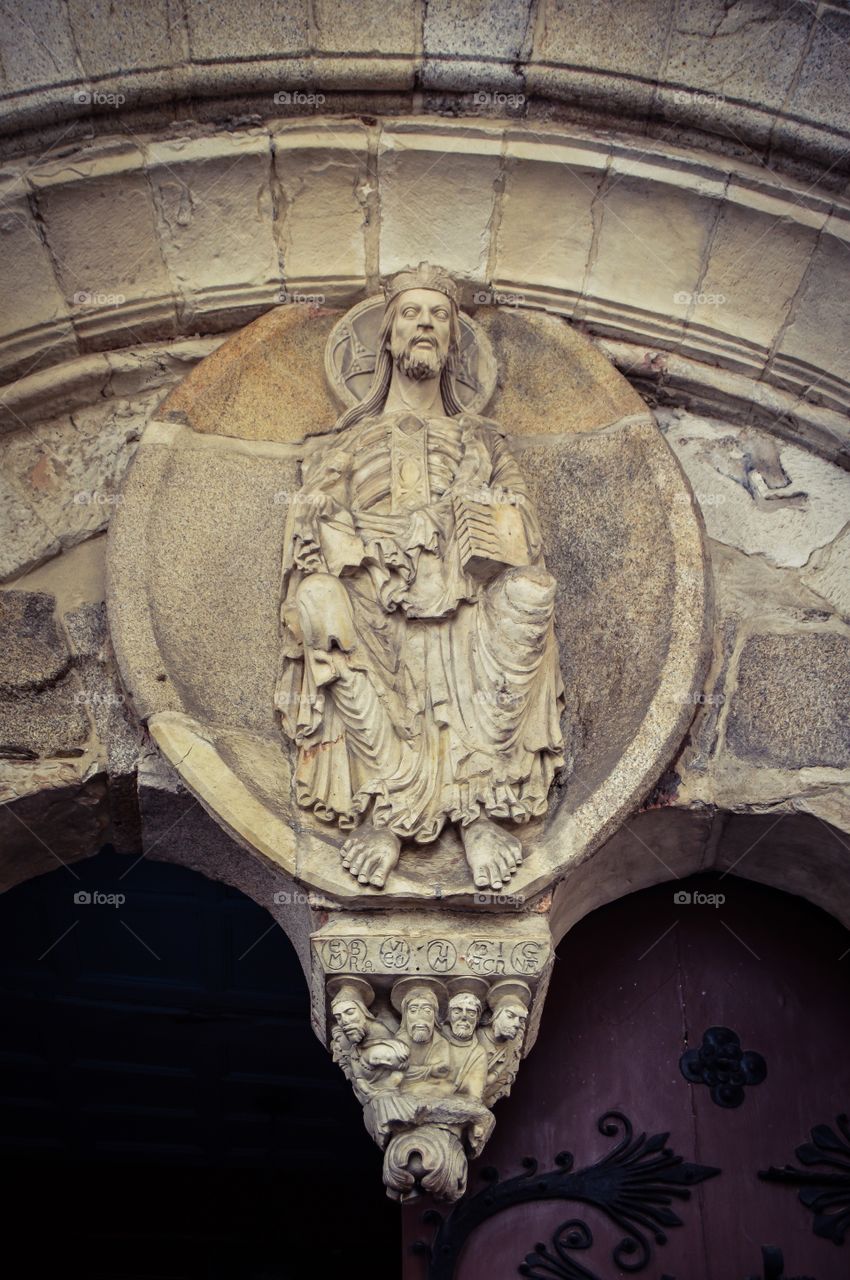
{"points": [[419, 676]]}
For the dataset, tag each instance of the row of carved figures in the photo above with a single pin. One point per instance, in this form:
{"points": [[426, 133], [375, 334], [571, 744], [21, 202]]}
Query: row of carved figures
{"points": [[427, 1081]]}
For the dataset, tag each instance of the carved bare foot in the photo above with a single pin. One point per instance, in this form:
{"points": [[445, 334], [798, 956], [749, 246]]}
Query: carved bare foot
{"points": [[370, 853], [492, 852]]}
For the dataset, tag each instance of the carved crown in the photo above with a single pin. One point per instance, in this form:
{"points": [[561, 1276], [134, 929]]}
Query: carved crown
{"points": [[425, 276]]}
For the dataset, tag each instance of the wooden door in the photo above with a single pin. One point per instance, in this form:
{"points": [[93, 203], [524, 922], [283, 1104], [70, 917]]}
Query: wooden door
{"points": [[636, 985]]}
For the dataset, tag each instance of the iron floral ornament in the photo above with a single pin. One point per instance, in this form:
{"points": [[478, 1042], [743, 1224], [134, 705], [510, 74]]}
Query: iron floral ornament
{"points": [[827, 1194], [724, 1066], [633, 1185]]}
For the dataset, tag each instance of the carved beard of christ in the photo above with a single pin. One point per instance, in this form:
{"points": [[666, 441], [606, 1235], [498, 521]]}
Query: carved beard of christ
{"points": [[418, 360], [419, 678]]}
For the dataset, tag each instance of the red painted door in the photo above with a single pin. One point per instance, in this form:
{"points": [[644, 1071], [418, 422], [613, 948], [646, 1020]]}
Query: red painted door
{"points": [[636, 985]]}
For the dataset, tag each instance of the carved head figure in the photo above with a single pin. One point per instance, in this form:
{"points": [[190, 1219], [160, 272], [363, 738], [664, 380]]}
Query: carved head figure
{"points": [[419, 1015], [509, 1002], [420, 334], [464, 1014], [466, 1001], [509, 1020], [350, 1000], [419, 1001], [352, 1016]]}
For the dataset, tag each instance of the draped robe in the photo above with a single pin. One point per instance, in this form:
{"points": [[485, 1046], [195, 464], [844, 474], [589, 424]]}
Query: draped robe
{"points": [[407, 682]]}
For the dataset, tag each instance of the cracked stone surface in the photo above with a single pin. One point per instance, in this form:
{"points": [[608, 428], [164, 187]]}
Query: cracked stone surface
{"points": [[757, 493]]}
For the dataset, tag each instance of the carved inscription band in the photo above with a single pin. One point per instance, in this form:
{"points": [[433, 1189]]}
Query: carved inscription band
{"points": [[392, 953]]}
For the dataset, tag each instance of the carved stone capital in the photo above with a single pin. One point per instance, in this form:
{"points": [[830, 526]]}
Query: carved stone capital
{"points": [[429, 1014]]}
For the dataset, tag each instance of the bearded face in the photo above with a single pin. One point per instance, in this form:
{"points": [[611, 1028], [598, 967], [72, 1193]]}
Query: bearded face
{"points": [[421, 332], [352, 1018], [464, 1011], [420, 1015], [509, 1021]]}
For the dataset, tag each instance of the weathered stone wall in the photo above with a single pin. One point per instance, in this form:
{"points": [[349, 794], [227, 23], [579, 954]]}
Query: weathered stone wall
{"points": [[762, 78], [771, 731], [709, 277]]}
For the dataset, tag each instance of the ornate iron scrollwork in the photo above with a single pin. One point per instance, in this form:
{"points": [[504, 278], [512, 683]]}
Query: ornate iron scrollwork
{"points": [[826, 1194], [574, 1234], [545, 1265], [633, 1185], [724, 1066]]}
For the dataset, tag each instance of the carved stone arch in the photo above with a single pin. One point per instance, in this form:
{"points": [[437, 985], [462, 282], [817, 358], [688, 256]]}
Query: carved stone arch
{"points": [[164, 1037], [794, 851], [176, 831]]}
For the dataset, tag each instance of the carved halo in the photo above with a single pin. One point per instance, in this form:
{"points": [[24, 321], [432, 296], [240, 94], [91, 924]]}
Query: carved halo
{"points": [[357, 988], [509, 989], [468, 985], [405, 986]]}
